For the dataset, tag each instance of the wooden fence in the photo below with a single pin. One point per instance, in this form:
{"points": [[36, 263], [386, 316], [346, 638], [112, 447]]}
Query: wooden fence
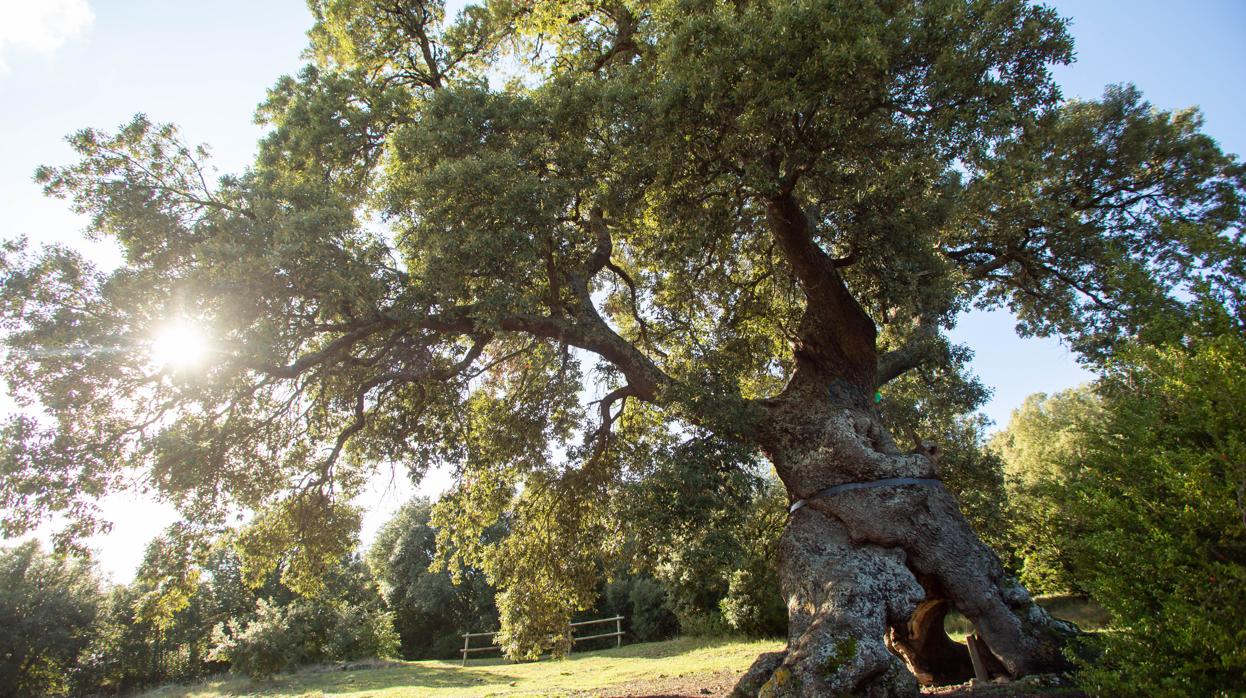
{"points": [[618, 634]]}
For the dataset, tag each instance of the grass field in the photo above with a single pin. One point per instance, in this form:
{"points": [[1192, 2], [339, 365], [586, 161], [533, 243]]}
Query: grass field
{"points": [[686, 661], [687, 666]]}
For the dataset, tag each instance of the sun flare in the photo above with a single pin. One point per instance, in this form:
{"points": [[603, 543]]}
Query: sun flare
{"points": [[179, 345]]}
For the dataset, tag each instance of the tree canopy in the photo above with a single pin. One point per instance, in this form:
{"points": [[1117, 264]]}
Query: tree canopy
{"points": [[544, 282]]}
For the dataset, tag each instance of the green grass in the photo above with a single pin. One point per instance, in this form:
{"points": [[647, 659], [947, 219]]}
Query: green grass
{"points": [[580, 674], [495, 677]]}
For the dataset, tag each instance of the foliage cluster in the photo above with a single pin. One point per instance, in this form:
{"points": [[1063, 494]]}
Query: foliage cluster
{"points": [[49, 606], [645, 604], [1133, 490], [1162, 504], [65, 631]]}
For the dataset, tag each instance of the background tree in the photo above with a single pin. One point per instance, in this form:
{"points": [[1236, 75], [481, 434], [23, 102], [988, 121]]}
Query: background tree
{"points": [[741, 218], [279, 638], [430, 611], [48, 607], [1044, 451], [1135, 494]]}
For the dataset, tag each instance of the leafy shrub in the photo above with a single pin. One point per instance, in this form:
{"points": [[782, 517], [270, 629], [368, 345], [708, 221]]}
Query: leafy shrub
{"points": [[753, 604], [703, 512], [643, 601], [304, 632], [703, 624], [1134, 491], [371, 634], [1162, 495], [261, 647]]}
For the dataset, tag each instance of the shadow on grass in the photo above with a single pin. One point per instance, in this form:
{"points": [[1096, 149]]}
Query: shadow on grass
{"points": [[485, 676], [396, 675]]}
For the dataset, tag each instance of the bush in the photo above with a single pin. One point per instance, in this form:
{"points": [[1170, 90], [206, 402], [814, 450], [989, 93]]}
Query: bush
{"points": [[1135, 492], [643, 602], [706, 516], [1163, 496], [368, 633], [261, 647], [753, 605], [703, 624], [304, 632]]}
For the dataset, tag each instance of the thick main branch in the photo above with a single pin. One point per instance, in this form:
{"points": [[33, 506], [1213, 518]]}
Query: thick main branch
{"points": [[837, 338]]}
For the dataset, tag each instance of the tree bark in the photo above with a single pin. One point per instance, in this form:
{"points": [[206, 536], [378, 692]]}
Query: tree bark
{"points": [[869, 573]]}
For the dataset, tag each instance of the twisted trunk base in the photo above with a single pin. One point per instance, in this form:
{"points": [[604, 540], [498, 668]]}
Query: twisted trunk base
{"points": [[869, 575]]}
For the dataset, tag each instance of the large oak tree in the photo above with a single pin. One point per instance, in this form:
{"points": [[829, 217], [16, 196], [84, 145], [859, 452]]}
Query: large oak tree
{"points": [[546, 243]]}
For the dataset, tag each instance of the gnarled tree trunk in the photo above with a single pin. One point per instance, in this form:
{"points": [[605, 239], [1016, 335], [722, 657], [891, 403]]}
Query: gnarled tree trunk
{"points": [[869, 572]]}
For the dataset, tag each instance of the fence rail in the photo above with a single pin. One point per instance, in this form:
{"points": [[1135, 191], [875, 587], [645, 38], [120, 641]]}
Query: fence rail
{"points": [[618, 634]]}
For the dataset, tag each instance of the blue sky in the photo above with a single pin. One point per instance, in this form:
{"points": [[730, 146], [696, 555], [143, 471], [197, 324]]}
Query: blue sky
{"points": [[69, 64], [1180, 55]]}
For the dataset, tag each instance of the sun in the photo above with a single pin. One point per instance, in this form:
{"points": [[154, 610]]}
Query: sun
{"points": [[179, 345]]}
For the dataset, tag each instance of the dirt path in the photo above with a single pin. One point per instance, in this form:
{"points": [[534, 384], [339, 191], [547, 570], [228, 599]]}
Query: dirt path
{"points": [[719, 685]]}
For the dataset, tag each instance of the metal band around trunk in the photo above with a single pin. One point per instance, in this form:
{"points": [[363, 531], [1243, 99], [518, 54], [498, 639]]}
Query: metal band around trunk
{"points": [[889, 482]]}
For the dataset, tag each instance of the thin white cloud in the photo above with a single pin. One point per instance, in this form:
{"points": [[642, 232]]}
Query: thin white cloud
{"points": [[40, 26]]}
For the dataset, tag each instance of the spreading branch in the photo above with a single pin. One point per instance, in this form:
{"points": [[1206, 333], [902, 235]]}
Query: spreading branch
{"points": [[837, 336], [922, 348], [599, 439]]}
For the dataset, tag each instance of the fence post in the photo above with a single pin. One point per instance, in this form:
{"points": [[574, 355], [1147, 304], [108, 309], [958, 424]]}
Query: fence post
{"points": [[975, 656], [617, 635]]}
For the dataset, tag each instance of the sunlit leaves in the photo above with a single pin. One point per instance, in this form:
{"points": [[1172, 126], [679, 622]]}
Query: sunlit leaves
{"points": [[1143, 506], [306, 534], [328, 128]]}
